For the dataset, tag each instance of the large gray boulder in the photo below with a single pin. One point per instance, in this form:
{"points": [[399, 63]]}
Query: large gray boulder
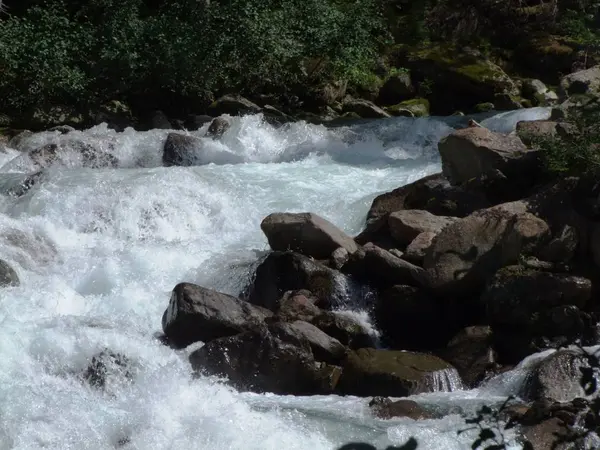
{"points": [[466, 253], [406, 225], [305, 233], [582, 82], [199, 314], [418, 248], [474, 151], [346, 329], [181, 149]]}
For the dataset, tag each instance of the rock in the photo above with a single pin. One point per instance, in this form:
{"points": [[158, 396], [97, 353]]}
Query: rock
{"points": [[411, 319], [532, 88], [467, 252], [416, 107], [484, 107], [364, 108], [557, 377], [396, 89], [276, 117], [8, 276], [346, 329], [234, 105], [548, 98], [406, 225], [306, 233], [584, 82], [535, 130], [506, 102], [287, 271], [62, 129], [297, 305], [198, 314], [108, 366], [218, 127], [116, 114], [385, 408], [416, 250], [181, 149], [324, 347], [24, 186], [44, 156], [471, 152], [546, 435], [471, 353], [379, 267], [160, 121], [339, 257], [370, 372], [17, 141], [196, 121], [93, 157], [260, 362]]}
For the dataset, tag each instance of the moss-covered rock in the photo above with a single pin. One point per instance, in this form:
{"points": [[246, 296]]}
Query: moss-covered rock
{"points": [[484, 107], [416, 107]]}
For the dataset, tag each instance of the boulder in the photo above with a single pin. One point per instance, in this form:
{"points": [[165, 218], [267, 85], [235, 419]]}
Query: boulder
{"points": [[385, 408], [547, 435], [416, 107], [8, 276], [397, 88], [305, 233], [557, 377], [473, 151], [406, 225], [416, 250], [507, 102], [324, 347], [370, 372], [181, 149], [160, 121], [234, 105], [62, 129], [410, 319], [380, 268], [260, 362], [583, 82], [346, 329], [116, 114], [338, 258], [90, 156], [466, 253], [531, 131], [22, 187], [297, 305], [288, 271], [196, 121], [218, 126], [107, 367], [17, 142], [199, 314], [470, 351], [364, 108]]}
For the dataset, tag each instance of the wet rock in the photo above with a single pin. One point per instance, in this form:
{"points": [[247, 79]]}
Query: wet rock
{"points": [[305, 233], [160, 121], [385, 408], [410, 319], [108, 366], [218, 127], [324, 347], [339, 257], [378, 267], [62, 129], [507, 102], [44, 156], [557, 377], [473, 151], [370, 372], [406, 225], [8, 276], [90, 156], [180, 149], [288, 271], [546, 435], [199, 314], [416, 250], [581, 83], [234, 105], [25, 185], [260, 362], [466, 253], [364, 108], [471, 352], [116, 114], [196, 121], [17, 141], [562, 247], [346, 329], [297, 305]]}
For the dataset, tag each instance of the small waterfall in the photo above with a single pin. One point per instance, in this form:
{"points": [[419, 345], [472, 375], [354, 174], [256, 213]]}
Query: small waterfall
{"points": [[447, 380]]}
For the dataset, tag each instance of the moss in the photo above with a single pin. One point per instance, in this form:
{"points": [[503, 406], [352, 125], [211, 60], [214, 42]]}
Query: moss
{"points": [[416, 107], [484, 107]]}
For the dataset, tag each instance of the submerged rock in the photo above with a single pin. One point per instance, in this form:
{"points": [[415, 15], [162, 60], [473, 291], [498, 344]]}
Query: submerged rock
{"points": [[107, 366], [180, 149], [385, 408], [218, 126], [199, 314], [8, 276], [305, 233], [370, 372]]}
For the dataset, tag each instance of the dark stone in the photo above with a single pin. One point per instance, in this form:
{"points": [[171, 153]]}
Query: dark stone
{"points": [[180, 149], [385, 408], [218, 126], [196, 121], [234, 105], [8, 276], [345, 329], [105, 366], [297, 305], [160, 121]]}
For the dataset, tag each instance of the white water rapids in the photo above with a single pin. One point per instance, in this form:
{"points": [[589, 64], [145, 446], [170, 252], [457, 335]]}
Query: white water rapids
{"points": [[99, 250]]}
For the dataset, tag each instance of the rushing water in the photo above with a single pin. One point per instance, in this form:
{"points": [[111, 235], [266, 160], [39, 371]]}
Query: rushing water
{"points": [[99, 250]]}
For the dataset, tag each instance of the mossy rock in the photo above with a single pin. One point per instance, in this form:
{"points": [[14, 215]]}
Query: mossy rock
{"points": [[416, 107], [484, 107], [371, 372]]}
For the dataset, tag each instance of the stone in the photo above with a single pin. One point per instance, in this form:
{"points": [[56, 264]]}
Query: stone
{"points": [[198, 314], [385, 408], [17, 142], [406, 225], [364, 108], [532, 88], [297, 305], [218, 126], [8, 276], [62, 129], [397, 88], [116, 114], [473, 151], [546, 435], [24, 185], [196, 121], [417, 249], [469, 251], [288, 271], [416, 107], [581, 83], [324, 347], [181, 149], [339, 257], [234, 105], [305, 233], [260, 362], [107, 367], [160, 121], [371, 372], [533, 131], [507, 102], [346, 329]]}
